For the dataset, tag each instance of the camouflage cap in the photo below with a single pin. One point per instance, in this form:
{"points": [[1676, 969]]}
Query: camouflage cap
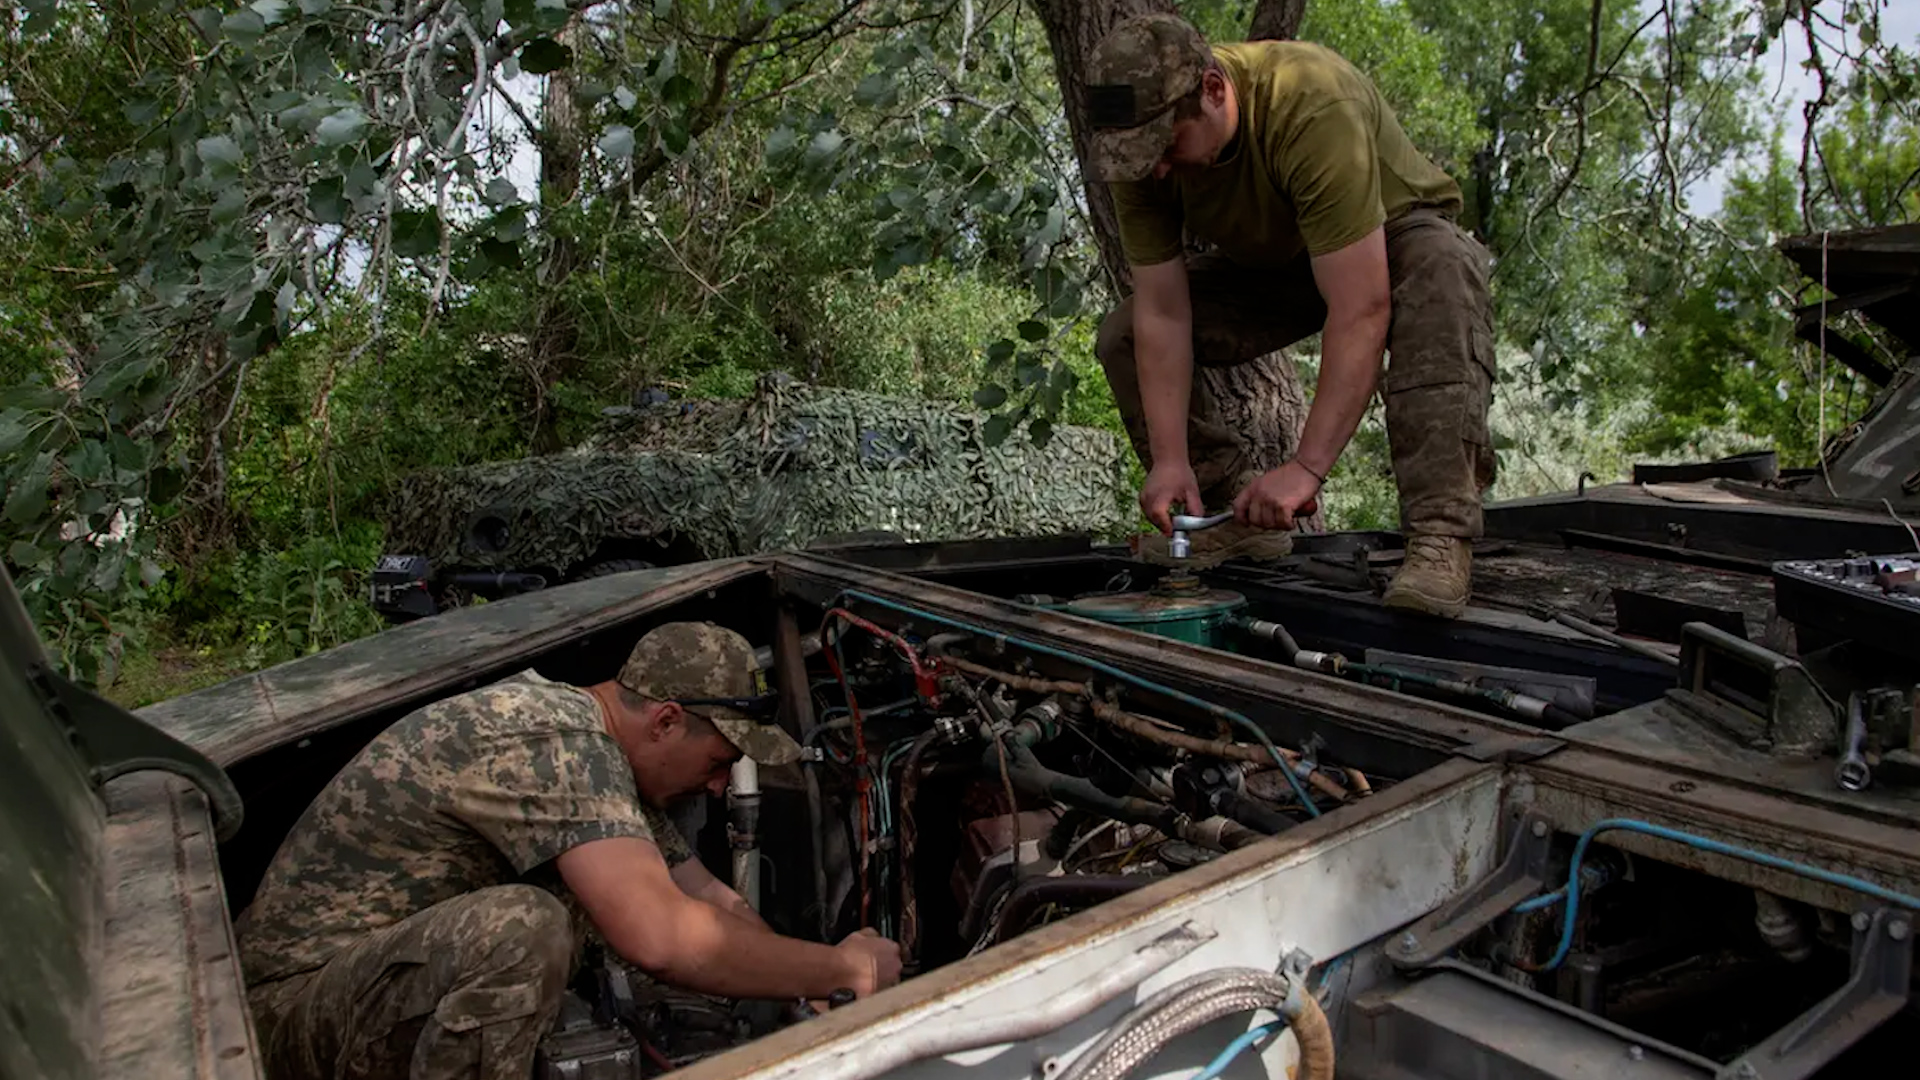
{"points": [[681, 660], [1137, 74]]}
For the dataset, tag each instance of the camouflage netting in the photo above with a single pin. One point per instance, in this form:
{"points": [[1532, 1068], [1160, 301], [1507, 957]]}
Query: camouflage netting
{"points": [[785, 467]]}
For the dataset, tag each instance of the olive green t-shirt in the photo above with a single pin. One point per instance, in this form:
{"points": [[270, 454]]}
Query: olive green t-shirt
{"points": [[1319, 161]]}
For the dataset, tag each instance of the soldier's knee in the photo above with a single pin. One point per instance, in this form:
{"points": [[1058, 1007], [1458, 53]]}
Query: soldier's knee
{"points": [[532, 931]]}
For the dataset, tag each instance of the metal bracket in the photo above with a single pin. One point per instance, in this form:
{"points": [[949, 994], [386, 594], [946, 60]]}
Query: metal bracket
{"points": [[1522, 874], [1877, 989], [114, 742]]}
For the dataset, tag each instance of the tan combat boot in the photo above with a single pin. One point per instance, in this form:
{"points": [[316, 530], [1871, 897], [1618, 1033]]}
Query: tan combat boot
{"points": [[1435, 578], [1211, 547]]}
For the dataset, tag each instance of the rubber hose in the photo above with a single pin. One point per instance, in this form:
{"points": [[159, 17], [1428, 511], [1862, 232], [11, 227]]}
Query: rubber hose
{"points": [[1030, 896], [1145, 1031], [1030, 776], [1251, 812]]}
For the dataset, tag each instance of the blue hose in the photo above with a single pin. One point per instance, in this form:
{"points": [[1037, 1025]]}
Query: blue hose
{"points": [[1108, 669], [1238, 1046], [1572, 892]]}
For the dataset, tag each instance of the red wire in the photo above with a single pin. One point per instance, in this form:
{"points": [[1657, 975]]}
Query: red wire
{"points": [[862, 785], [925, 680], [656, 1056]]}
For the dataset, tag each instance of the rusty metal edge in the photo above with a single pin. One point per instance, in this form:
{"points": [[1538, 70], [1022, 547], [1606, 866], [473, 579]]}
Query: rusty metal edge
{"points": [[1622, 786], [1109, 919], [242, 744]]}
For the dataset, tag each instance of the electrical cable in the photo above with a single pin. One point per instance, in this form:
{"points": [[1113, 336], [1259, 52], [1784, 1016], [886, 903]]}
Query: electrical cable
{"points": [[1844, 881], [1210, 708], [1238, 1046]]}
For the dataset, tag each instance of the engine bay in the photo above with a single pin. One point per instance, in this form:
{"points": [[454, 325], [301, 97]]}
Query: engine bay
{"points": [[1122, 820]]}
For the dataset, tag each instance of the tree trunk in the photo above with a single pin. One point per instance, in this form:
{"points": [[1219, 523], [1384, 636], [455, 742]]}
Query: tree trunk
{"points": [[555, 345], [1262, 397]]}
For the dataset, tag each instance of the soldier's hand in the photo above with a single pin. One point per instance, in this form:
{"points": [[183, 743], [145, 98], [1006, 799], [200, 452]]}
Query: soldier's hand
{"points": [[1274, 499], [1168, 483], [873, 960]]}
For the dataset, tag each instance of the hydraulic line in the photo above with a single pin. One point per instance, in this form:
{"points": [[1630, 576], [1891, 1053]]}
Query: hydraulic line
{"points": [[1192, 1003], [1572, 893], [1208, 707], [1155, 731], [1525, 706]]}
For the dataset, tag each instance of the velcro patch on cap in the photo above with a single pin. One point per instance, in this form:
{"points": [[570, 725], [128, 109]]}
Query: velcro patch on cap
{"points": [[1112, 106]]}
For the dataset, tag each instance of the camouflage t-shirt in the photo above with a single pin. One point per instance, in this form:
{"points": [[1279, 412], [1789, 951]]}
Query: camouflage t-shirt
{"points": [[477, 790]]}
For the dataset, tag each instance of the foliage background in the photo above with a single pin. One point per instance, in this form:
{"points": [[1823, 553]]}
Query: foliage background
{"points": [[267, 258]]}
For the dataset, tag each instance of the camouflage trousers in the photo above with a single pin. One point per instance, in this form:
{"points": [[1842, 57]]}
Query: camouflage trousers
{"points": [[464, 989], [1439, 381]]}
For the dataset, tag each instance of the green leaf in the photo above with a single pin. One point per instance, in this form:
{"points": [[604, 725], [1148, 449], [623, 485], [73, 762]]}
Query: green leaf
{"points": [[14, 430], [617, 142], [107, 574], [678, 90], [342, 127], [27, 557], [28, 499], [875, 91], [510, 225], [218, 150], [500, 191], [781, 144], [999, 352], [416, 233], [244, 27], [229, 206], [89, 461], [501, 253], [675, 137], [990, 396], [543, 56], [150, 573], [113, 380], [996, 429], [271, 12], [315, 7], [326, 202], [1041, 431], [1029, 371], [1033, 330], [824, 148]]}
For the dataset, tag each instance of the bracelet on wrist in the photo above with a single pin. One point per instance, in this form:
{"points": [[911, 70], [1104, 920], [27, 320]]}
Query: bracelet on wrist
{"points": [[1309, 470]]}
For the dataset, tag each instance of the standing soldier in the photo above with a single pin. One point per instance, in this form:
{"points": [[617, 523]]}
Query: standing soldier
{"points": [[1323, 217]]}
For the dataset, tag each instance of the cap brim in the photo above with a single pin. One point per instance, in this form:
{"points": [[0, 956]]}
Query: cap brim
{"points": [[765, 744], [1131, 153]]}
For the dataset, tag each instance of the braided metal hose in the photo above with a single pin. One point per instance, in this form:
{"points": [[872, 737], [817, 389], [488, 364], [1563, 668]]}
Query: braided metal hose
{"points": [[1195, 1002]]}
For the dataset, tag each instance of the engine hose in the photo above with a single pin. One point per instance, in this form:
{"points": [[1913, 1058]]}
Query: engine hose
{"points": [[909, 840], [1079, 890], [1209, 708], [1154, 731], [1030, 776], [1193, 1003]]}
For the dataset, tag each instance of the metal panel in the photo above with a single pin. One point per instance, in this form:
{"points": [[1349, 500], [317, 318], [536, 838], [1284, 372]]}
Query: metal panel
{"points": [[172, 1000], [1324, 888]]}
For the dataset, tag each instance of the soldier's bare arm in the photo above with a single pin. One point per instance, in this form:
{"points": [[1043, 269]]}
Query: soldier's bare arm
{"points": [[623, 884], [698, 882], [1163, 357], [1354, 283]]}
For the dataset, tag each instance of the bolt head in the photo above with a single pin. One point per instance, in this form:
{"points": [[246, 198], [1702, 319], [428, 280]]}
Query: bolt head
{"points": [[1860, 920], [1746, 1071], [1898, 929], [1539, 830], [1637, 1053], [1409, 942]]}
